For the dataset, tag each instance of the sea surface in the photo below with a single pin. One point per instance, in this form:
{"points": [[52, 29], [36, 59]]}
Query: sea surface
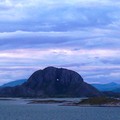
{"points": [[17, 109]]}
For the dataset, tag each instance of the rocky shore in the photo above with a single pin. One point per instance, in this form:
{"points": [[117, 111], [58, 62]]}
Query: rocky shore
{"points": [[88, 102], [97, 102]]}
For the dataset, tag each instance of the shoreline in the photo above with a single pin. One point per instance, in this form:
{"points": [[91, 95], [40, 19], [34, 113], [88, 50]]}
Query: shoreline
{"points": [[65, 102]]}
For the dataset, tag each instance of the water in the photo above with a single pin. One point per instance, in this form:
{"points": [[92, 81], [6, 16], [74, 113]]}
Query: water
{"points": [[19, 110]]}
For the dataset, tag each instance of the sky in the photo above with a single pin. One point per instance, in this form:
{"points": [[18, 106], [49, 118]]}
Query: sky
{"points": [[81, 35]]}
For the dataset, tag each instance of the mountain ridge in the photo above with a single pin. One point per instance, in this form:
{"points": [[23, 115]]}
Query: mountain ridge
{"points": [[106, 87], [52, 82], [14, 83]]}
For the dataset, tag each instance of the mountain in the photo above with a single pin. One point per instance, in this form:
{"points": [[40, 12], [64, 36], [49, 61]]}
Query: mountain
{"points": [[106, 87], [117, 90], [14, 83], [52, 82]]}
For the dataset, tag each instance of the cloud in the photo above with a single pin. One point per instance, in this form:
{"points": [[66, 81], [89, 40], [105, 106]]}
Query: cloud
{"points": [[82, 35], [58, 15], [88, 39], [98, 73], [89, 63]]}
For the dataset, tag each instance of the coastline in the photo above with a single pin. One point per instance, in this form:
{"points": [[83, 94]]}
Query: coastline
{"points": [[66, 102]]}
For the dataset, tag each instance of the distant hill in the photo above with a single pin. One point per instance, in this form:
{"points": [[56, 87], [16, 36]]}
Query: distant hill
{"points": [[116, 90], [14, 83], [52, 82], [107, 87]]}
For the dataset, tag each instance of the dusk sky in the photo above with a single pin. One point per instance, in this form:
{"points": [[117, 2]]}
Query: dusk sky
{"points": [[81, 35]]}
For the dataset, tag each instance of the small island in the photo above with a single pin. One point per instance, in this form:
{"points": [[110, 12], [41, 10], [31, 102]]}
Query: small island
{"points": [[97, 102], [46, 101], [87, 102]]}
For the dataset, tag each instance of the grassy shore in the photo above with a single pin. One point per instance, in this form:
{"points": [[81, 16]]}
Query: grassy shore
{"points": [[98, 101]]}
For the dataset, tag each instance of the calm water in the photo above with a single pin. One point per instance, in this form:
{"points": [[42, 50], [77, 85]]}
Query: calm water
{"points": [[18, 110]]}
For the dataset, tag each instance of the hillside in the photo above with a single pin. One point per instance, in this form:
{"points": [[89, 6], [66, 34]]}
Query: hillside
{"points": [[106, 87], [14, 83]]}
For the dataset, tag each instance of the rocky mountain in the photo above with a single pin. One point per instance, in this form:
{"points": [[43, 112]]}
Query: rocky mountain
{"points": [[14, 83], [52, 82]]}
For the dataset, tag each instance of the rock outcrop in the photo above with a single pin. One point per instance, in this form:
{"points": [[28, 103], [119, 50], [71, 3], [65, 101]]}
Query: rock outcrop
{"points": [[52, 82]]}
